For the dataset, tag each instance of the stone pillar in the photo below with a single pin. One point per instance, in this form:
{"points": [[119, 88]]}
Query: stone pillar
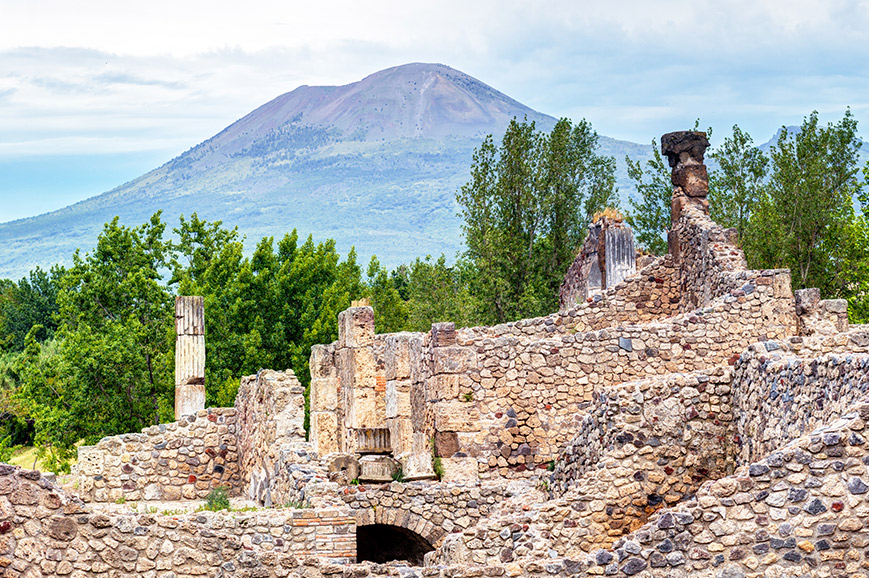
{"points": [[456, 415], [357, 372], [684, 151], [189, 355], [398, 384], [326, 418], [618, 259]]}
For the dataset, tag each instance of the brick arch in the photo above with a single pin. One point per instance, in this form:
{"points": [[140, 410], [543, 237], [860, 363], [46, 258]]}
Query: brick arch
{"points": [[433, 534]]}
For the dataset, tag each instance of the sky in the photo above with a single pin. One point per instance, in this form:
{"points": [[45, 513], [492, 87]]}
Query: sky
{"points": [[95, 93]]}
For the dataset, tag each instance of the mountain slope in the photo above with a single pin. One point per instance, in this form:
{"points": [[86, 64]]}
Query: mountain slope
{"points": [[374, 164]]}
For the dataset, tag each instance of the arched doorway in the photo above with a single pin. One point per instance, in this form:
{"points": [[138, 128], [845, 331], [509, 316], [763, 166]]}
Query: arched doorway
{"points": [[381, 543]]}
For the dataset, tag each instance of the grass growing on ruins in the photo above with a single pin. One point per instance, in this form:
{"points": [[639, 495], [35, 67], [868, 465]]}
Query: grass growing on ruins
{"points": [[217, 499], [398, 476]]}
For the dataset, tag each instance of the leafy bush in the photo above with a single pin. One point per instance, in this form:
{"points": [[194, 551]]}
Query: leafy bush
{"points": [[216, 500]]}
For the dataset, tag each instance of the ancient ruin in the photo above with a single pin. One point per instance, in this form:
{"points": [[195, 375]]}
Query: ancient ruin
{"points": [[695, 418], [189, 355]]}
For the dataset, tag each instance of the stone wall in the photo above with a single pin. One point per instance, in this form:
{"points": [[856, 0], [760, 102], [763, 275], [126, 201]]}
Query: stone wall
{"points": [[271, 413], [237, 448], [173, 461], [708, 258], [43, 532], [431, 510], [510, 403], [800, 511], [780, 397], [658, 438]]}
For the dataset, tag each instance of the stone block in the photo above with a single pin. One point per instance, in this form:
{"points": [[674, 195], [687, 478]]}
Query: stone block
{"points": [[342, 468], [362, 411], [324, 432], [460, 470], [807, 300], [421, 444], [400, 435], [418, 404], [446, 443], [322, 362], [443, 334], [693, 179], [454, 359], [397, 356], [419, 366], [417, 466], [457, 416], [447, 387], [356, 327], [397, 399], [357, 369], [324, 394], [685, 147], [374, 469], [91, 461]]}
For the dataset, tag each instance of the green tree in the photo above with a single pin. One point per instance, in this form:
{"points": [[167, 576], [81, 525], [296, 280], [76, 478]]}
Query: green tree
{"points": [[805, 218], [649, 216], [113, 370], [525, 210], [438, 293], [390, 310], [736, 185], [32, 301]]}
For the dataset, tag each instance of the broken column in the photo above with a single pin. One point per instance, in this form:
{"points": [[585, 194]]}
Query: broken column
{"points": [[684, 151], [326, 417], [189, 355], [357, 372], [607, 258], [616, 253]]}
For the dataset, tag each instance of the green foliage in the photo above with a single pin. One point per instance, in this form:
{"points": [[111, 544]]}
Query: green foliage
{"points": [[398, 476], [390, 309], [32, 301], [216, 500], [805, 219], [526, 208], [436, 292], [649, 216], [7, 449], [438, 467], [112, 369], [736, 186]]}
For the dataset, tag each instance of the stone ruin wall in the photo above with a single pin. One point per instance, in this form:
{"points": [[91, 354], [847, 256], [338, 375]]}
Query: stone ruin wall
{"points": [[782, 396], [270, 410], [236, 448], [505, 404], [44, 532], [183, 460]]}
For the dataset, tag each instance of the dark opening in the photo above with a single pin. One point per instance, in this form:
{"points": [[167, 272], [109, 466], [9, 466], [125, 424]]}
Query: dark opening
{"points": [[381, 543]]}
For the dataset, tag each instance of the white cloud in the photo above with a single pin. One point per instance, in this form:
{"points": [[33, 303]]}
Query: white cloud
{"points": [[94, 75]]}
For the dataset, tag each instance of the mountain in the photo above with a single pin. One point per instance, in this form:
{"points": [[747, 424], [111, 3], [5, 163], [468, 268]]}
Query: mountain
{"points": [[374, 164]]}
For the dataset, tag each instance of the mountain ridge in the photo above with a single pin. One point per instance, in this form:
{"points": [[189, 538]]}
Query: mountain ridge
{"points": [[374, 164]]}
